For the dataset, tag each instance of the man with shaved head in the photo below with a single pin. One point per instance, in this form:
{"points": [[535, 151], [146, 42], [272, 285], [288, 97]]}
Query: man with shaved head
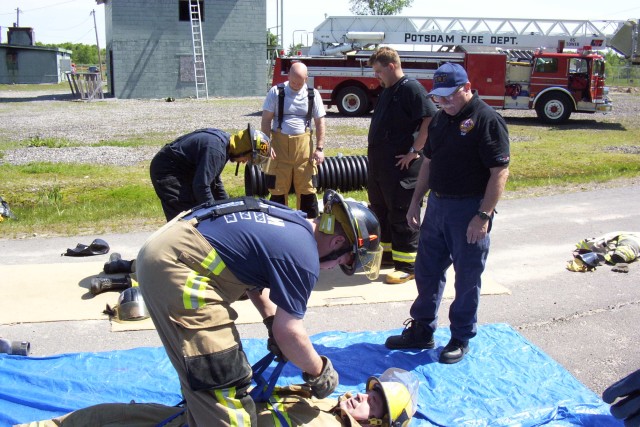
{"points": [[289, 114]]}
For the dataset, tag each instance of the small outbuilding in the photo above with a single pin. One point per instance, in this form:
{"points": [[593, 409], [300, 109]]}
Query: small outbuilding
{"points": [[21, 62]]}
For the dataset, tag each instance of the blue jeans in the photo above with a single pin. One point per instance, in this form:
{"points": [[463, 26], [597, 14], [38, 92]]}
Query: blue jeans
{"points": [[443, 241]]}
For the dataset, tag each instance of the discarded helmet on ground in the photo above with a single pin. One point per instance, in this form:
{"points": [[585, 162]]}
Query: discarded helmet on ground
{"points": [[399, 389], [131, 305], [362, 228]]}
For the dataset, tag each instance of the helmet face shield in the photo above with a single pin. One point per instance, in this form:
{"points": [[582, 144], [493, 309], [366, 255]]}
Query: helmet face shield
{"points": [[400, 389], [370, 261], [260, 145]]}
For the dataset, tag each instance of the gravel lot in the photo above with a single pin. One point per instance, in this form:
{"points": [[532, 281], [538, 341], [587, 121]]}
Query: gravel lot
{"points": [[29, 116]]}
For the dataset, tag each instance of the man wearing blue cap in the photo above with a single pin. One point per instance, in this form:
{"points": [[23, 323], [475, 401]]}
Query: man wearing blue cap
{"points": [[466, 168]]}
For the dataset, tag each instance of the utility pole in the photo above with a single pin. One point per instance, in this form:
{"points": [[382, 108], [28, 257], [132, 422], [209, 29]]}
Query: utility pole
{"points": [[18, 12], [93, 12]]}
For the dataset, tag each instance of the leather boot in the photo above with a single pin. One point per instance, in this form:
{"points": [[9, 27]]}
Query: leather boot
{"points": [[117, 265], [105, 284]]}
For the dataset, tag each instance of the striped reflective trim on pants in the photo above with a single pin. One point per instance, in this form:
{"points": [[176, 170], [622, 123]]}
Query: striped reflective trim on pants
{"points": [[279, 412], [238, 416], [213, 263], [408, 257], [194, 290]]}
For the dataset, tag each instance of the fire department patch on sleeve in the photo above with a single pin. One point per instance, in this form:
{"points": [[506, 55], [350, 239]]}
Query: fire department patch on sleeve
{"points": [[466, 126]]}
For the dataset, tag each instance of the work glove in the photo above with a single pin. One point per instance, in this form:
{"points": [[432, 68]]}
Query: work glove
{"points": [[627, 391], [325, 383], [272, 345]]}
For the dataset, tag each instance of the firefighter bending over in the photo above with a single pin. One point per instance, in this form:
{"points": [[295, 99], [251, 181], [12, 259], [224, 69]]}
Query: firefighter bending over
{"points": [[192, 269]]}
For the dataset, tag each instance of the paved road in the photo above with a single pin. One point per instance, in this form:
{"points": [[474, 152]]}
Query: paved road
{"points": [[588, 322]]}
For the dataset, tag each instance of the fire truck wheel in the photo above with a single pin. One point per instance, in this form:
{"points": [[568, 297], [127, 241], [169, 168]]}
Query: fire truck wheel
{"points": [[352, 101], [553, 108]]}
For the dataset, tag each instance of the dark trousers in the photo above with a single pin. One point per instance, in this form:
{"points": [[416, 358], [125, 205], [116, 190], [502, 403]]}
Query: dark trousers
{"points": [[443, 242], [174, 185]]}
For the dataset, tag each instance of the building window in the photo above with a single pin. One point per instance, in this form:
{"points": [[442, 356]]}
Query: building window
{"points": [[184, 11]]}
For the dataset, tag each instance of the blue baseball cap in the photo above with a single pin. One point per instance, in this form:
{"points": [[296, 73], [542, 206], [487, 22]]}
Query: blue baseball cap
{"points": [[447, 78]]}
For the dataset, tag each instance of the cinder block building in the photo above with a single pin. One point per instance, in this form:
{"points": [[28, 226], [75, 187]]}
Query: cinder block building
{"points": [[150, 48]]}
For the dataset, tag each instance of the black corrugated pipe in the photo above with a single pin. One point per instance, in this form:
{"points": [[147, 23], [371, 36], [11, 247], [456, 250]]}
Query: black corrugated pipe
{"points": [[343, 173]]}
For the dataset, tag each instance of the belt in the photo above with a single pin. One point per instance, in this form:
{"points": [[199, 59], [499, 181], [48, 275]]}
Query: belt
{"points": [[455, 196]]}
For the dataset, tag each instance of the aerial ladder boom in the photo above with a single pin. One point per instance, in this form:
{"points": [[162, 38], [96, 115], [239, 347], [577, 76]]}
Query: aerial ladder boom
{"points": [[339, 34]]}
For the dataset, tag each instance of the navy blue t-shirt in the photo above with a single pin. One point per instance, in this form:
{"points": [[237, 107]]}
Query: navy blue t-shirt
{"points": [[265, 251]]}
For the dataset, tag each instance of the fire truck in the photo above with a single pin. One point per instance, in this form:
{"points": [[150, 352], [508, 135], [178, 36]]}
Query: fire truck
{"points": [[551, 66]]}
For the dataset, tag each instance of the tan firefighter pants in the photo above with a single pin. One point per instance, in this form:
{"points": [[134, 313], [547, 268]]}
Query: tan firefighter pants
{"points": [[293, 164], [188, 291]]}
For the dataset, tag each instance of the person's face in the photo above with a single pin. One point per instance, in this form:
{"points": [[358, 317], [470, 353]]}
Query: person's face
{"points": [[453, 103], [384, 73], [345, 259], [363, 406], [296, 81]]}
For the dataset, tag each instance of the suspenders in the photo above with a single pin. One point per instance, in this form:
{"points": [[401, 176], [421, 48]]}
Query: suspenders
{"points": [[310, 100]]}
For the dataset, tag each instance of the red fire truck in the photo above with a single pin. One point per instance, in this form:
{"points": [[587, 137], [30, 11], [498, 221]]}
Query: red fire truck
{"points": [[547, 65]]}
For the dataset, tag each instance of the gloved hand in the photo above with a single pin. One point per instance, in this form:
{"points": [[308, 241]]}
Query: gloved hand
{"points": [[325, 383], [272, 345], [627, 390]]}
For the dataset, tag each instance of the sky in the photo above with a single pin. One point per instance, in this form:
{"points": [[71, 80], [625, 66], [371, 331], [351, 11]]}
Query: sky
{"points": [[57, 21]]}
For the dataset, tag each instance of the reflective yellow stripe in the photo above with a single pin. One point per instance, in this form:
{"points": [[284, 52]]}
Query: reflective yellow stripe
{"points": [[213, 263], [238, 416], [278, 407], [194, 290], [409, 257], [386, 247]]}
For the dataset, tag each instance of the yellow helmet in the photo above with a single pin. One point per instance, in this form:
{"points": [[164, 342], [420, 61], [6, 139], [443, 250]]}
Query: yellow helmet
{"points": [[400, 390]]}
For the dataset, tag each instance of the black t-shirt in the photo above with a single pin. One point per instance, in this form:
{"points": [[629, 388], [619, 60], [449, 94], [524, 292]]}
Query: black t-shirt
{"points": [[397, 115], [463, 147]]}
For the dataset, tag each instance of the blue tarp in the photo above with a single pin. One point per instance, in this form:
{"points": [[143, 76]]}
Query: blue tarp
{"points": [[503, 381]]}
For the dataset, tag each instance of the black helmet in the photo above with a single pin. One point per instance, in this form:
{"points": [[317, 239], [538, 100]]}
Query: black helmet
{"points": [[362, 228], [260, 146], [131, 305]]}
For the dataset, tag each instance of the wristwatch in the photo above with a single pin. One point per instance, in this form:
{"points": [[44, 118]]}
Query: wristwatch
{"points": [[484, 216], [320, 149], [413, 150]]}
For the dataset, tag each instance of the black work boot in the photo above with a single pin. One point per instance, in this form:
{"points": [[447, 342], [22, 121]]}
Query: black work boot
{"points": [[414, 336], [454, 351], [105, 284], [117, 265]]}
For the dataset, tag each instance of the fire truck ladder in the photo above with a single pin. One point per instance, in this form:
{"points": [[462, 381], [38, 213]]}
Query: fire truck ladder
{"points": [[342, 33], [199, 66]]}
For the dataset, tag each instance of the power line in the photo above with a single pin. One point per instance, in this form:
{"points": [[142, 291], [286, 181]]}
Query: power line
{"points": [[39, 8]]}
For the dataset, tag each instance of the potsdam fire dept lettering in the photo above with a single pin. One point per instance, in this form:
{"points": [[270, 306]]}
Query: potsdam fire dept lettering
{"points": [[459, 39]]}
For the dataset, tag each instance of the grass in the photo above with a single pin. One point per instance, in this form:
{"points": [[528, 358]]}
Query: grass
{"points": [[62, 199]]}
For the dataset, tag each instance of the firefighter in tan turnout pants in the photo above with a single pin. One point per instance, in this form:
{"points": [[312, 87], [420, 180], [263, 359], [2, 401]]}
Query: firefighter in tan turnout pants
{"points": [[286, 115], [193, 268]]}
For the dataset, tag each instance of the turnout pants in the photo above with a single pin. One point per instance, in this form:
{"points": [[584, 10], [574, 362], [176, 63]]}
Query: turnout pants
{"points": [[293, 165], [390, 192], [188, 291]]}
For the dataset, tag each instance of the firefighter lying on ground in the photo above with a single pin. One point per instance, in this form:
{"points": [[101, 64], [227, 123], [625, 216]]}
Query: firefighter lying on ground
{"points": [[390, 400]]}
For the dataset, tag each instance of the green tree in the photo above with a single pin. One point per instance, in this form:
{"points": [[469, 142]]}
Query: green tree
{"points": [[294, 49], [378, 7], [272, 40], [80, 53]]}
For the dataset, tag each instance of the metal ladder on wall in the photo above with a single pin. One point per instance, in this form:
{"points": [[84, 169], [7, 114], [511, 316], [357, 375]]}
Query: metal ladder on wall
{"points": [[199, 66]]}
